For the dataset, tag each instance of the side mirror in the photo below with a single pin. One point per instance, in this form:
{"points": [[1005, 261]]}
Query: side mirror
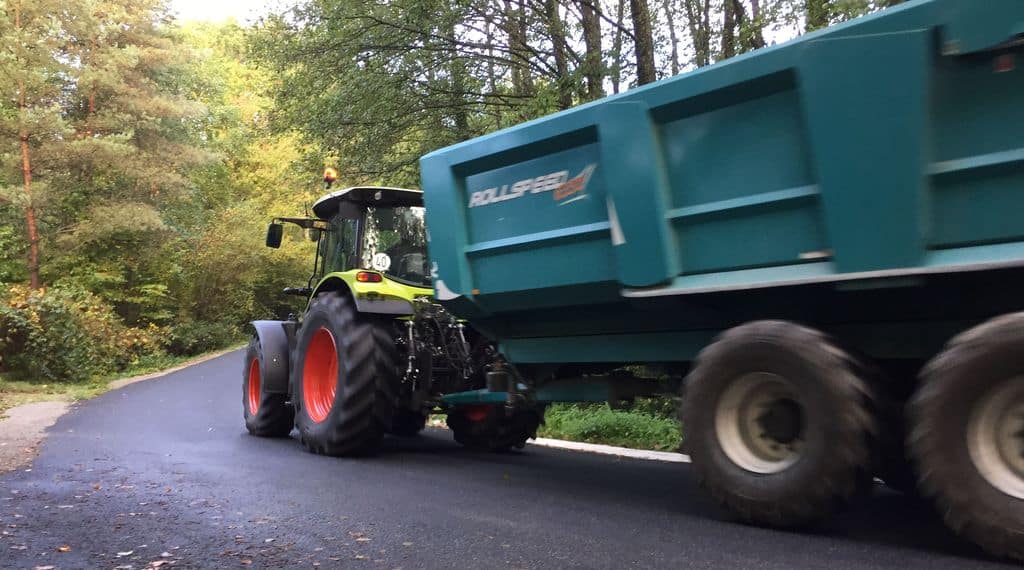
{"points": [[274, 233]]}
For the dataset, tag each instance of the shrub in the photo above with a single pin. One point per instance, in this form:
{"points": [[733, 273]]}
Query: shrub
{"points": [[195, 337], [58, 335], [601, 424]]}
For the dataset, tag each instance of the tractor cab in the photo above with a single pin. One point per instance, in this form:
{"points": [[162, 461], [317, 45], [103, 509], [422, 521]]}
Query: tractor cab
{"points": [[375, 228], [366, 235]]}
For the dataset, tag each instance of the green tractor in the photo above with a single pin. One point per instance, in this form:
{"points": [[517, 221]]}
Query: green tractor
{"points": [[373, 354]]}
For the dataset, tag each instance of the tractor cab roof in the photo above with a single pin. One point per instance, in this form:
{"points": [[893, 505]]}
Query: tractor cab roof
{"points": [[377, 196]]}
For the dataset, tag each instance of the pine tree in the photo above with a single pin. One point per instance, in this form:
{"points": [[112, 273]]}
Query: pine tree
{"points": [[33, 75]]}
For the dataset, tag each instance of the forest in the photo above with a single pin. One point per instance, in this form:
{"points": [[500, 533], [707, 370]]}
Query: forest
{"points": [[141, 157]]}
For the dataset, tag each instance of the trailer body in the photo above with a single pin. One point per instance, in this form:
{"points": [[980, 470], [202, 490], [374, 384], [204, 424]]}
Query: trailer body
{"points": [[867, 178]]}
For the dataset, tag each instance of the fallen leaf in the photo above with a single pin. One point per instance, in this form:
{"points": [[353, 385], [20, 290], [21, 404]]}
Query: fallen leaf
{"points": [[362, 539], [268, 540], [360, 557], [406, 544], [125, 553], [64, 548], [44, 568], [165, 554], [247, 562]]}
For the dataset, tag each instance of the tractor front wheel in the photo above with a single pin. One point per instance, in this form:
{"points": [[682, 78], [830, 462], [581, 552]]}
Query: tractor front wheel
{"points": [[343, 378], [266, 414]]}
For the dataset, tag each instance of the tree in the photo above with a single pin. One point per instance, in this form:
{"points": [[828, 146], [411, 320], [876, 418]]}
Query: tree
{"points": [[33, 72], [643, 42], [593, 66]]}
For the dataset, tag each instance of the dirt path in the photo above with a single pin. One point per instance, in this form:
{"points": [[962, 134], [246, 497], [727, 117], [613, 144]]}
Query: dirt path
{"points": [[23, 429]]}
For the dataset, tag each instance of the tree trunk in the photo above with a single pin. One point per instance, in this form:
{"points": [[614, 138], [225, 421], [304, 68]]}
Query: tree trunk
{"points": [[515, 28], [617, 46], [557, 32], [644, 42], [26, 174], [698, 16], [728, 30], [753, 30], [592, 63], [672, 36]]}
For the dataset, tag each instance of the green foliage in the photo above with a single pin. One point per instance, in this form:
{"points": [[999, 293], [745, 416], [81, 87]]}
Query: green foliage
{"points": [[197, 337], [154, 178], [64, 335], [635, 428]]}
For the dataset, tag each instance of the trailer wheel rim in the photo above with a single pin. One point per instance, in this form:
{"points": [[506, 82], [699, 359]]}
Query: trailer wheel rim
{"points": [[253, 387], [759, 422], [995, 437], [320, 375]]}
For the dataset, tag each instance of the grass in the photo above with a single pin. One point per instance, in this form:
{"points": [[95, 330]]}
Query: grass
{"points": [[648, 426], [16, 392]]}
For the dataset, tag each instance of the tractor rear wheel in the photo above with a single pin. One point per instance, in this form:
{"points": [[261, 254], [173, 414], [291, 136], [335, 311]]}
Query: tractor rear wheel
{"points": [[494, 428], [266, 414], [344, 378], [967, 435], [778, 423]]}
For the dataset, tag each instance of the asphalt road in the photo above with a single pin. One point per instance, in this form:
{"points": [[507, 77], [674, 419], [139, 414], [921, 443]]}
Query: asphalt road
{"points": [[163, 471]]}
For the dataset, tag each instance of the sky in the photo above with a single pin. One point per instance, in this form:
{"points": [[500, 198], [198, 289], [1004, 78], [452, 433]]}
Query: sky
{"points": [[245, 11]]}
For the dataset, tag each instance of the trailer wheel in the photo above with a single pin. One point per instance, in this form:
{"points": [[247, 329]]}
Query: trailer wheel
{"points": [[344, 378], [493, 428], [266, 415], [778, 424], [967, 435], [408, 423]]}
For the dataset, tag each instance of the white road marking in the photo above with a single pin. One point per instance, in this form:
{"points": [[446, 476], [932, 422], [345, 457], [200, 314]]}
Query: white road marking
{"points": [[611, 450]]}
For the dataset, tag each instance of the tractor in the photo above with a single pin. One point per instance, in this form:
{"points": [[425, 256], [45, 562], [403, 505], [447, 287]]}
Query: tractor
{"points": [[373, 353]]}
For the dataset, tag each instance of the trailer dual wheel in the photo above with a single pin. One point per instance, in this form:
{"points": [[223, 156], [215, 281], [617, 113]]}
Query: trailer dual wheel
{"points": [[493, 427], [344, 378], [778, 424], [967, 434], [266, 414]]}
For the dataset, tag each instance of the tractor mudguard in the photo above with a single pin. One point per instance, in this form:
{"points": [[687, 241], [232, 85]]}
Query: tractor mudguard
{"points": [[274, 345]]}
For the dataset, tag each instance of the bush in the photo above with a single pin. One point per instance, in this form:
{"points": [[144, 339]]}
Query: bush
{"points": [[56, 335], [601, 424], [195, 337]]}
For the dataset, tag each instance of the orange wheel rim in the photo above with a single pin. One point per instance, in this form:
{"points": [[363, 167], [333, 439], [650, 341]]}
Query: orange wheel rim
{"points": [[320, 375], [253, 391]]}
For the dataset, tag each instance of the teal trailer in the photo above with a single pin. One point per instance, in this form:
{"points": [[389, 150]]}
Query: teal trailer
{"points": [[815, 236]]}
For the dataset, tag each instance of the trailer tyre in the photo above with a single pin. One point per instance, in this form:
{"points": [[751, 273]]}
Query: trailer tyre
{"points": [[779, 425], [343, 377], [266, 414], [967, 435], [494, 428]]}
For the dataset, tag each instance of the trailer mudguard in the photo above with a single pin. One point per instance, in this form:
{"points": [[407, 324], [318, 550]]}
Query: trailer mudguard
{"points": [[274, 345]]}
